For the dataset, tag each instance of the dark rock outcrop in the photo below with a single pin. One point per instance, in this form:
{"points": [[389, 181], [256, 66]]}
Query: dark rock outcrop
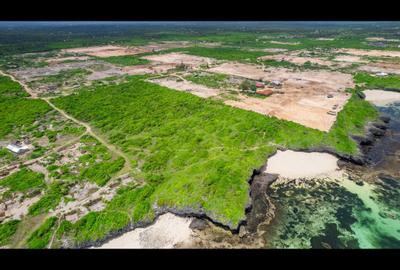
{"points": [[198, 224], [260, 204]]}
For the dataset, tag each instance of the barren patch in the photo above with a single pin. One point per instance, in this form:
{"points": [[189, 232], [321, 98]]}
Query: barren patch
{"points": [[376, 53], [148, 69], [284, 43], [381, 39], [195, 89], [390, 68], [111, 50], [349, 58], [180, 58]]}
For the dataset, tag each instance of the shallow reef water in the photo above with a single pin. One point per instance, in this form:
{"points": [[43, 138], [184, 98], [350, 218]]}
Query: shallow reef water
{"points": [[340, 213], [333, 213]]}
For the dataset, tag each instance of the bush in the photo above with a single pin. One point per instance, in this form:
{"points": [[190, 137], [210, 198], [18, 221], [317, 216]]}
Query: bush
{"points": [[245, 85], [23, 180], [7, 230]]}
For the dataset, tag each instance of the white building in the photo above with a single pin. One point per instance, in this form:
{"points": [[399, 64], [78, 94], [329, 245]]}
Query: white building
{"points": [[17, 149], [381, 74]]}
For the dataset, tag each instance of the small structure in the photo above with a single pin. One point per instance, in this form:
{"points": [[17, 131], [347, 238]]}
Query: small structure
{"points": [[381, 74], [265, 92], [17, 148], [260, 85], [331, 113], [276, 83]]}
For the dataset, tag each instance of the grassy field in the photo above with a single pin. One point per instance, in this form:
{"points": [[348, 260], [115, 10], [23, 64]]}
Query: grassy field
{"points": [[23, 181], [391, 82], [192, 152]]}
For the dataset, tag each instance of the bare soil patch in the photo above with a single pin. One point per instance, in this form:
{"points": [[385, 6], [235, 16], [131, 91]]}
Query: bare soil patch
{"points": [[148, 69], [284, 43], [381, 39], [326, 39], [181, 58], [186, 86], [390, 68], [349, 59], [107, 51], [111, 50], [377, 53]]}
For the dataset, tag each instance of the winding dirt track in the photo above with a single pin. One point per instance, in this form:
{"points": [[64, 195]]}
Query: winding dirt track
{"points": [[88, 128]]}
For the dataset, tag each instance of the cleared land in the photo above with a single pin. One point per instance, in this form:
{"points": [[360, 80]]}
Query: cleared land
{"points": [[180, 58], [187, 86], [112, 50], [300, 60], [390, 68], [306, 97], [377, 53]]}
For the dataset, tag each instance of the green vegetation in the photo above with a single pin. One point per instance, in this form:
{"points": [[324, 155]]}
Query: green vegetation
{"points": [[352, 120], [275, 63], [247, 85], [391, 82], [23, 180], [16, 110], [7, 230], [212, 80], [188, 164], [9, 88], [40, 238], [125, 60], [6, 156], [49, 201]]}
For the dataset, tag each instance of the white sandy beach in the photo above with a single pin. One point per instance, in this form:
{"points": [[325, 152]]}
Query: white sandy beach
{"points": [[166, 232], [292, 165], [381, 97]]}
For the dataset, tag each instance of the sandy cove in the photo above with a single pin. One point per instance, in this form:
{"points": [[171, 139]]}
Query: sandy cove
{"points": [[292, 164]]}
